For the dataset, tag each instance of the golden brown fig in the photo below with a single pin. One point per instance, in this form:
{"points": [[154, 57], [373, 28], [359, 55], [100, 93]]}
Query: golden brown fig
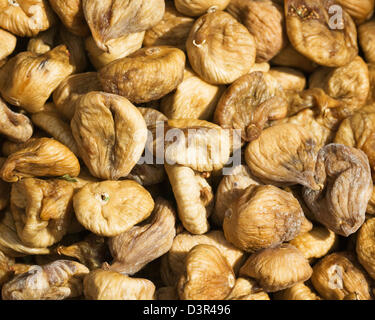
{"points": [[289, 78], [194, 198], [196, 8], [316, 243], [71, 89], [4, 190], [247, 289], [91, 251], [192, 99], [26, 18], [250, 103], [109, 208], [15, 126], [366, 37], [28, 79], [140, 77], [207, 275], [8, 43], [133, 249], [110, 133], [230, 188], [284, 154], [265, 21], [300, 291], [55, 281], [109, 285], [113, 19], [43, 41], [277, 268], [370, 106], [147, 174], [326, 40], [370, 206], [172, 30], [6, 268], [71, 15], [117, 49], [338, 275], [365, 246], [185, 241], [42, 157], [262, 217], [359, 11], [349, 84], [219, 48], [346, 176], [51, 122]]}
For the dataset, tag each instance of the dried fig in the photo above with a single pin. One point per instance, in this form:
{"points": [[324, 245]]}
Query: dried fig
{"points": [[292, 267], [365, 248], [359, 11], [366, 37], [28, 79], [300, 291], [289, 78], [6, 271], [109, 285], [140, 77], [42, 157], [250, 103], [135, 248], [265, 21], [314, 33], [247, 289], [346, 176], [207, 275], [111, 133], [219, 48], [113, 19], [196, 8], [109, 208], [8, 43], [55, 281], [43, 41]]}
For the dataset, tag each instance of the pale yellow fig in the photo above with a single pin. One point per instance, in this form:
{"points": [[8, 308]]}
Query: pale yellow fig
{"points": [[196, 8], [43, 41], [289, 78]]}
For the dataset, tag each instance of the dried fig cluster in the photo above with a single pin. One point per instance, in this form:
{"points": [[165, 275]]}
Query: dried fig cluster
{"points": [[187, 150]]}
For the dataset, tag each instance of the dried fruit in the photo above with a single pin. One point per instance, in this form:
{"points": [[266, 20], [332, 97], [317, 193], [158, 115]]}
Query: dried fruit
{"points": [[8, 43], [207, 275], [219, 48], [247, 289], [300, 291], [108, 285], [290, 79], [366, 33], [6, 265], [338, 275], [28, 79], [110, 133], [292, 267], [196, 8], [265, 21], [262, 217], [109, 208], [365, 246], [55, 281], [346, 176], [313, 33], [359, 11], [43, 41]]}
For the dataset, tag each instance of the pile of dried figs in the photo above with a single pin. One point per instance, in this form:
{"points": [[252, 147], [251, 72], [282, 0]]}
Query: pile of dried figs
{"points": [[198, 150]]}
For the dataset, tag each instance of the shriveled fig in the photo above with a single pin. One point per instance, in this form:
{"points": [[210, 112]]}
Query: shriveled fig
{"points": [[366, 37], [359, 11], [8, 43], [196, 8]]}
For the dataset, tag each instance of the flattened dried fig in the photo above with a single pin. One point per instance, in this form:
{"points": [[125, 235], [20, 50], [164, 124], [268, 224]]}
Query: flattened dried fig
{"points": [[135, 248], [196, 8], [262, 217], [359, 11], [140, 77], [108, 285], [192, 99], [113, 19], [219, 48], [117, 49], [346, 176], [292, 267], [289, 78], [366, 37], [28, 79], [55, 281], [26, 18], [109, 208], [284, 154], [8, 43], [247, 289], [313, 34], [250, 103], [15, 126], [71, 89], [365, 247], [194, 198], [42, 157], [172, 30], [207, 275], [265, 21], [338, 275], [300, 291], [111, 133], [71, 15]]}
